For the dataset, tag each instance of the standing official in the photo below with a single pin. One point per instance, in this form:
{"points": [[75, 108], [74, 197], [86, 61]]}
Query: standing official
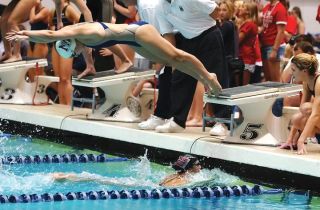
{"points": [[199, 36]]}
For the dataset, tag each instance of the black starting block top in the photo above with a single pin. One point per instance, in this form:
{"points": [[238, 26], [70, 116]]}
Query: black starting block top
{"points": [[257, 89], [111, 74]]}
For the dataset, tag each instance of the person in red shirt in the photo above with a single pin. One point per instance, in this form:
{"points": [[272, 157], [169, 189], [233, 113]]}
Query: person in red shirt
{"points": [[292, 24], [272, 38], [256, 77], [247, 38], [301, 28], [292, 27]]}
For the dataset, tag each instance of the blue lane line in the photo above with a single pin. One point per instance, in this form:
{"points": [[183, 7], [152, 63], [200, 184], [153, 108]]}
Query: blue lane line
{"points": [[66, 158], [197, 192]]}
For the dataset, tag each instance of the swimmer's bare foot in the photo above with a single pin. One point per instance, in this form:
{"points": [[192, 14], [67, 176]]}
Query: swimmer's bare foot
{"points": [[194, 123], [87, 72], [4, 57], [12, 59], [214, 87], [125, 66]]}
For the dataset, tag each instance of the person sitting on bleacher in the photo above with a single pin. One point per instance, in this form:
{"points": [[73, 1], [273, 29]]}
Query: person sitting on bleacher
{"points": [[144, 38]]}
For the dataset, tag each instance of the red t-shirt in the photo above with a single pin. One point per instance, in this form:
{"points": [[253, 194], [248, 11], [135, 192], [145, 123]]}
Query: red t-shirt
{"points": [[272, 16], [247, 45], [292, 25]]}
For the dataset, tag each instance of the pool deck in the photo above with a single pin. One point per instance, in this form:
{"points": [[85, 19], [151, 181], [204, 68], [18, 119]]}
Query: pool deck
{"points": [[192, 140]]}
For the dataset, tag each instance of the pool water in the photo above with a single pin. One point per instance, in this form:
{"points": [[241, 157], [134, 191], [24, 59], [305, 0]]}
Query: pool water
{"points": [[140, 173]]}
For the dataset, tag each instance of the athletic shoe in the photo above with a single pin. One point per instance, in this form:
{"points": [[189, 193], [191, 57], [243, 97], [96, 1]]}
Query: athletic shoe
{"points": [[219, 129], [151, 123], [169, 127]]}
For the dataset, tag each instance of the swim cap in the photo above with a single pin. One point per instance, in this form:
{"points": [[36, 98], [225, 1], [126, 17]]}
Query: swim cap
{"points": [[185, 162], [66, 48]]}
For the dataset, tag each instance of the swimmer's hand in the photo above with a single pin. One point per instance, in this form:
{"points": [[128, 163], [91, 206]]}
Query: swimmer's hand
{"points": [[105, 52], [15, 36], [214, 87]]}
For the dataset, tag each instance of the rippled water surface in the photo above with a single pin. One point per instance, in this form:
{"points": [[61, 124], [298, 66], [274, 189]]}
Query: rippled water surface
{"points": [[20, 179]]}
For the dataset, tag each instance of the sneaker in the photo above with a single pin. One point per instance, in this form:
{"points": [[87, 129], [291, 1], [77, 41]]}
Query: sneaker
{"points": [[169, 127], [219, 129], [151, 123]]}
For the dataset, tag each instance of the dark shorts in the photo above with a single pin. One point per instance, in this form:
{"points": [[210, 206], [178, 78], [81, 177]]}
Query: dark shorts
{"points": [[318, 137], [265, 52]]}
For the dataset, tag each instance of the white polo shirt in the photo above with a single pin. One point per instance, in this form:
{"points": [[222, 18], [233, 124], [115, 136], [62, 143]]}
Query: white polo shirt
{"points": [[147, 11], [189, 17]]}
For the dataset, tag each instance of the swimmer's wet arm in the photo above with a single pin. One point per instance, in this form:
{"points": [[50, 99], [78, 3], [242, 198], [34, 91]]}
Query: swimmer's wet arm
{"points": [[47, 36]]}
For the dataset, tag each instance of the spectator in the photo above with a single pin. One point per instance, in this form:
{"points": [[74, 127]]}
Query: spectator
{"points": [[198, 35], [62, 67], [301, 26], [318, 14], [247, 37], [39, 16], [230, 36], [14, 14], [124, 14], [148, 12], [292, 24], [272, 38]]}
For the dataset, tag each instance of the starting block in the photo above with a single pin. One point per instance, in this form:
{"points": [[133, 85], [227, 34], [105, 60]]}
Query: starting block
{"points": [[255, 101], [14, 89], [119, 105]]}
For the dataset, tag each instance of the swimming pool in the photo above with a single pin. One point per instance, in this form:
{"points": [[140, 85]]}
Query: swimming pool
{"points": [[140, 173]]}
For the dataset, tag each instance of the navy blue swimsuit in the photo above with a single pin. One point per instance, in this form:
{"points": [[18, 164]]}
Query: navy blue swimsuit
{"points": [[114, 42]]}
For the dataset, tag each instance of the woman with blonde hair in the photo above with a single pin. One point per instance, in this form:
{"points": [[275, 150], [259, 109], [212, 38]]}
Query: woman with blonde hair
{"points": [[307, 121], [248, 32]]}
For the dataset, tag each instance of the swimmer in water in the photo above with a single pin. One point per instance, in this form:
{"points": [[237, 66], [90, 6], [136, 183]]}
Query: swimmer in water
{"points": [[186, 166]]}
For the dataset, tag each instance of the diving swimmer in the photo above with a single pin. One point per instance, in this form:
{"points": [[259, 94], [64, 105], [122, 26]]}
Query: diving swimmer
{"points": [[141, 36]]}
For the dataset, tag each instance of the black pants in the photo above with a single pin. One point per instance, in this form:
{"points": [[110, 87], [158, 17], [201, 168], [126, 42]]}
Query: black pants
{"points": [[209, 49], [163, 108]]}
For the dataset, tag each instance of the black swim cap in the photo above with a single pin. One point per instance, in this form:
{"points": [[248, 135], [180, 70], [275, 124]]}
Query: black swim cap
{"points": [[184, 163]]}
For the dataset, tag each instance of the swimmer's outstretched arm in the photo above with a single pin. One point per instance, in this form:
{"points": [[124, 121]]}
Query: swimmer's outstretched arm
{"points": [[59, 176], [40, 36], [77, 31]]}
